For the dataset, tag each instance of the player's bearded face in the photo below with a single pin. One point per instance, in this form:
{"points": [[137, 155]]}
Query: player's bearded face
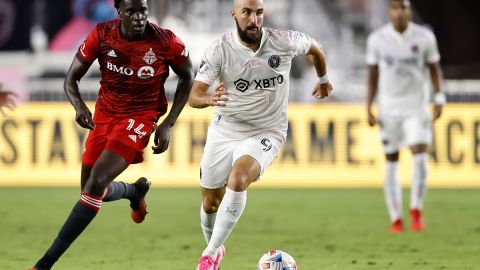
{"points": [[251, 34]]}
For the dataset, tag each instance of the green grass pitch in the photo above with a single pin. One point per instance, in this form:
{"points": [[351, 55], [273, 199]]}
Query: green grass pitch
{"points": [[321, 228]]}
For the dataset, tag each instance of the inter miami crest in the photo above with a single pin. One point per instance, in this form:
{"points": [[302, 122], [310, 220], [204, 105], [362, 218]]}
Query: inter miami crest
{"points": [[274, 61], [415, 48], [149, 57]]}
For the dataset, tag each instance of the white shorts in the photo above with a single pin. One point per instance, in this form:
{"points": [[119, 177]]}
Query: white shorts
{"points": [[408, 130], [222, 150]]}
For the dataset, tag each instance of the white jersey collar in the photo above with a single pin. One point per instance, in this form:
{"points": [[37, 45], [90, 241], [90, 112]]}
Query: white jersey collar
{"points": [[245, 48], [401, 35]]}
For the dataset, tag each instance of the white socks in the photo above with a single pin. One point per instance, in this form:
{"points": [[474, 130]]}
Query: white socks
{"points": [[419, 180], [393, 190], [207, 221], [229, 212]]}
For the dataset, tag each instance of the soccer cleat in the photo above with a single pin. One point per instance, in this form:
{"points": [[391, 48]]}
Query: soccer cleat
{"points": [[205, 263], [221, 253], [397, 226], [37, 268], [42, 264], [138, 205], [417, 224]]}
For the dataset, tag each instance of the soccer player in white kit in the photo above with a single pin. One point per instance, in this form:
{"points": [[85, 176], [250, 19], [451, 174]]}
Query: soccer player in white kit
{"points": [[250, 122], [398, 55]]}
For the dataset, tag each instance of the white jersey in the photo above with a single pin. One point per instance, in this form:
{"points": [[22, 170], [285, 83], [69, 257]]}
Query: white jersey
{"points": [[257, 82], [402, 59]]}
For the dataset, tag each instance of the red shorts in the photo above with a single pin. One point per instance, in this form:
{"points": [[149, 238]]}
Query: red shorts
{"points": [[125, 136]]}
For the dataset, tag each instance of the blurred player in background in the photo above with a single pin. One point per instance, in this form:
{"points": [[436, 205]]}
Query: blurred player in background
{"points": [[398, 55], [87, 13], [250, 122], [134, 56], [7, 100]]}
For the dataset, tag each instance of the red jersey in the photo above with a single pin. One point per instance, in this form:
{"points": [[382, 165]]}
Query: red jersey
{"points": [[133, 72]]}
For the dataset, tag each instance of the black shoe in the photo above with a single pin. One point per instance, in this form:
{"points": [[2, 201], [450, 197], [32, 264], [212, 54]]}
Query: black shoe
{"points": [[42, 264], [138, 205]]}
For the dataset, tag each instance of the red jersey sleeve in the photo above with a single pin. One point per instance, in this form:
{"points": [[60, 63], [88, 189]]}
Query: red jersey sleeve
{"points": [[177, 53], [88, 51]]}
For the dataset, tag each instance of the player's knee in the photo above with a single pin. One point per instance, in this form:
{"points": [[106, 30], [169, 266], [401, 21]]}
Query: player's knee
{"points": [[419, 149], [238, 181], [97, 184], [392, 156], [211, 204]]}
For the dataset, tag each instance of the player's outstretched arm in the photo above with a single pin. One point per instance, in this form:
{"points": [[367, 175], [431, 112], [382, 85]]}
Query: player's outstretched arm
{"points": [[372, 92], [439, 98], [317, 57], [185, 81], [75, 73], [200, 98]]}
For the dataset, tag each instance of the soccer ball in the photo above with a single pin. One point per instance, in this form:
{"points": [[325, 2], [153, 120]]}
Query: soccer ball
{"points": [[276, 260]]}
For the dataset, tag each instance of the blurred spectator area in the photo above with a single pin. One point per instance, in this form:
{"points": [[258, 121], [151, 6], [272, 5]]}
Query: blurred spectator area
{"points": [[457, 28], [37, 44]]}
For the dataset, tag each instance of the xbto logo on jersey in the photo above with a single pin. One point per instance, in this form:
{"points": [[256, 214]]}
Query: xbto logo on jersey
{"points": [[266, 83], [242, 85]]}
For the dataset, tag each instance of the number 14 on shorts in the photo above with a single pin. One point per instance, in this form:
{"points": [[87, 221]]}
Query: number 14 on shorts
{"points": [[138, 129]]}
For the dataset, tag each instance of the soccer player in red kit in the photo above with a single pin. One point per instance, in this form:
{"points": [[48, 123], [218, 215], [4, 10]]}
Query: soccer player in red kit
{"points": [[134, 57]]}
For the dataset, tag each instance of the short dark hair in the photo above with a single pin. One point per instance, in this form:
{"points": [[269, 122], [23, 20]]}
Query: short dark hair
{"points": [[117, 3]]}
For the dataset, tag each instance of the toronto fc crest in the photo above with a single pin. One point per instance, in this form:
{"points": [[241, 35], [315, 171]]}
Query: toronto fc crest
{"points": [[150, 57]]}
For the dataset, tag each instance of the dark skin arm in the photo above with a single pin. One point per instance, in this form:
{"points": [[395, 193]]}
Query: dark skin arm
{"points": [[372, 92], [436, 75], [75, 73], [185, 81]]}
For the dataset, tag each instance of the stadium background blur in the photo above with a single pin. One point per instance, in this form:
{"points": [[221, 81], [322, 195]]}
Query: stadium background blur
{"points": [[320, 216], [329, 143]]}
